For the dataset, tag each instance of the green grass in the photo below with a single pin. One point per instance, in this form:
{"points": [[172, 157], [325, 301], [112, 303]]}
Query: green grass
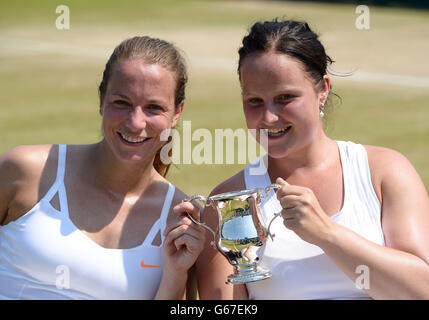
{"points": [[49, 77]]}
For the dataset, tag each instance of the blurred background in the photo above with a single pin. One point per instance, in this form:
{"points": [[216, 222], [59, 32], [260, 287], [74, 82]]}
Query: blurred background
{"points": [[49, 76]]}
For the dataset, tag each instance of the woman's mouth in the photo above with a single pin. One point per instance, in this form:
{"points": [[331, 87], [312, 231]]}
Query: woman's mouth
{"points": [[278, 132], [133, 140]]}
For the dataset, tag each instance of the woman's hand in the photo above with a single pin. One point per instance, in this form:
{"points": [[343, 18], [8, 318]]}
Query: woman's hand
{"points": [[184, 239], [303, 214]]}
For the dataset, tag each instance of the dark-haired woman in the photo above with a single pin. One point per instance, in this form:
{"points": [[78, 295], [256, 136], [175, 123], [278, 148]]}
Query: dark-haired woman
{"points": [[101, 221], [355, 218]]}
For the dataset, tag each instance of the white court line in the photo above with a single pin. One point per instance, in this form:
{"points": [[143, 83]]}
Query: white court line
{"points": [[16, 47], [384, 78]]}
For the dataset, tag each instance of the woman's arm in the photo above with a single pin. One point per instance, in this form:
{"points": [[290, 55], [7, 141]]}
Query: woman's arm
{"points": [[401, 269], [7, 176]]}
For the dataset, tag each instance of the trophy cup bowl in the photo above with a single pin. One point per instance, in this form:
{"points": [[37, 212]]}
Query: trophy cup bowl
{"points": [[240, 231]]}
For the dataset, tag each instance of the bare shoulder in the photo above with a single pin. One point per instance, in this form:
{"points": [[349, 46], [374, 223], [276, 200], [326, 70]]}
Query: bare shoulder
{"points": [[20, 171], [23, 160], [236, 182], [179, 196], [24, 164], [385, 162], [389, 167], [380, 157]]}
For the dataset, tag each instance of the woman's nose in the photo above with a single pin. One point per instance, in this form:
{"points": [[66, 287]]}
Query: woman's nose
{"points": [[136, 119], [270, 114]]}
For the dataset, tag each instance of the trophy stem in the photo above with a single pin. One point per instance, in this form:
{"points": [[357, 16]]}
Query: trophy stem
{"points": [[248, 272]]}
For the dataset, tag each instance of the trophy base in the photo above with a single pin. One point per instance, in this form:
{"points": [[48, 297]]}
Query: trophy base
{"points": [[248, 273]]}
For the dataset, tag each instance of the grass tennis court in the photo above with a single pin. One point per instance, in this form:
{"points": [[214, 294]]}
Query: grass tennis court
{"points": [[49, 77]]}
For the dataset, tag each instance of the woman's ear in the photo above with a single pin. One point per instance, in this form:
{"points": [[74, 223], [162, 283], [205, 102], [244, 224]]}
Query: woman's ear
{"points": [[178, 113], [325, 89], [101, 107]]}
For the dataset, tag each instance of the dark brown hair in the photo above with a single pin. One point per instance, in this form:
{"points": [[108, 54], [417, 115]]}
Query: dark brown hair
{"points": [[152, 51], [293, 38]]}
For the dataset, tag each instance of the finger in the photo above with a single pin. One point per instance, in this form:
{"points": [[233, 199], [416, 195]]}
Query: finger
{"points": [[176, 222], [182, 210], [189, 242], [185, 239], [174, 234], [192, 230], [291, 224], [291, 218], [288, 189], [290, 214], [188, 207], [289, 201], [281, 181]]}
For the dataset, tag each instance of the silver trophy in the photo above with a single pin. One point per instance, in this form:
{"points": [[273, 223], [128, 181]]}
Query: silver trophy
{"points": [[240, 231]]}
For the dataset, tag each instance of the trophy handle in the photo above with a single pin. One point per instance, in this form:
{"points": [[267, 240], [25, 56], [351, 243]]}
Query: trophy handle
{"points": [[272, 235], [271, 187], [204, 200], [278, 214]]}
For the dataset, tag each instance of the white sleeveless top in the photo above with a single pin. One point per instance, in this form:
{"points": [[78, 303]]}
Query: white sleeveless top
{"points": [[43, 255], [301, 270]]}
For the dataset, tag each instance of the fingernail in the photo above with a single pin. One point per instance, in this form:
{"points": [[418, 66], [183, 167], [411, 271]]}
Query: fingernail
{"points": [[280, 180]]}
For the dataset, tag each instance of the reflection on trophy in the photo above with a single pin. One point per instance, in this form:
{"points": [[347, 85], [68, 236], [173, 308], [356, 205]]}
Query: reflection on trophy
{"points": [[241, 230]]}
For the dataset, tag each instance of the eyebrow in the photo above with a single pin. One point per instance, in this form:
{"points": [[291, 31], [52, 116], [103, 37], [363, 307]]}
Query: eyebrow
{"points": [[161, 102], [280, 91], [120, 95]]}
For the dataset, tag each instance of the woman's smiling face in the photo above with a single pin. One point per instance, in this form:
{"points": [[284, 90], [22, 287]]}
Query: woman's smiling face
{"points": [[137, 108], [279, 96]]}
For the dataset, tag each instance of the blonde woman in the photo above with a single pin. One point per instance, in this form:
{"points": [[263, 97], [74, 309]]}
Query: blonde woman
{"points": [[98, 221]]}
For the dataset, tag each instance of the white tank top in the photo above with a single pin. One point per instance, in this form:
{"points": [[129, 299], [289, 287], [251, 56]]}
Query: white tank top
{"points": [[43, 255], [301, 270]]}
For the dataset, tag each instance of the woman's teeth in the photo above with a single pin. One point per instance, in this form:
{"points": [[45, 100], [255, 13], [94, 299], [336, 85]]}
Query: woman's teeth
{"points": [[277, 132], [132, 139]]}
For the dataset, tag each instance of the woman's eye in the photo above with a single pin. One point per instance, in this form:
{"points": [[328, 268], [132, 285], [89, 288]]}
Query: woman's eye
{"points": [[285, 97], [255, 101], [121, 103], [155, 107]]}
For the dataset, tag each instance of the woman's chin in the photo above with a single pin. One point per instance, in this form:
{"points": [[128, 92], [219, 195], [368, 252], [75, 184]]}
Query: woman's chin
{"points": [[134, 156], [278, 152]]}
